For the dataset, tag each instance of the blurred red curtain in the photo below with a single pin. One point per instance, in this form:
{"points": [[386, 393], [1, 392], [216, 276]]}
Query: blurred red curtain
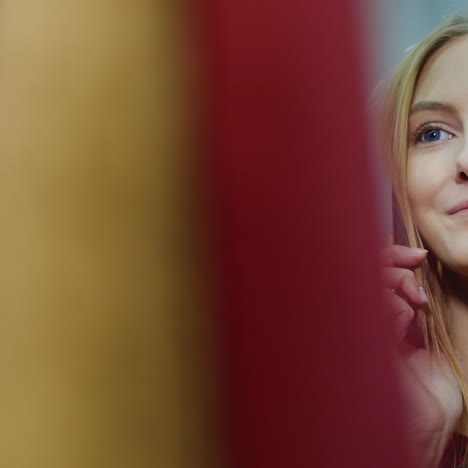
{"points": [[304, 351]]}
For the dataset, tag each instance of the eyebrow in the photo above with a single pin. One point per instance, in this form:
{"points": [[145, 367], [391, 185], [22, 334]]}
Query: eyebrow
{"points": [[434, 106]]}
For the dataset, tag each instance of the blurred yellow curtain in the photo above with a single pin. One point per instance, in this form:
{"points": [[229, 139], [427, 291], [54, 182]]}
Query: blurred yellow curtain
{"points": [[103, 356]]}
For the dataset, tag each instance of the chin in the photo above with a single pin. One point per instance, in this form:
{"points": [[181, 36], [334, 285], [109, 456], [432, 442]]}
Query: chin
{"points": [[452, 252], [457, 261]]}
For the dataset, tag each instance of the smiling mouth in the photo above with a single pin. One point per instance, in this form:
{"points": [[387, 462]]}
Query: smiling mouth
{"points": [[462, 212], [460, 209]]}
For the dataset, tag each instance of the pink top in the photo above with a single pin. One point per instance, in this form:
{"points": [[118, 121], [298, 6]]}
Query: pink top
{"points": [[456, 453]]}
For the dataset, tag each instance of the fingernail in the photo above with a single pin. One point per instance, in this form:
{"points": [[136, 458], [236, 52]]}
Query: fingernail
{"points": [[418, 252], [422, 294]]}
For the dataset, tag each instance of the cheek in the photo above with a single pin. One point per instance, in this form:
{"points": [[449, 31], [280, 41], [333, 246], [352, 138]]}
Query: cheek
{"points": [[427, 175], [431, 189], [429, 172], [423, 182]]}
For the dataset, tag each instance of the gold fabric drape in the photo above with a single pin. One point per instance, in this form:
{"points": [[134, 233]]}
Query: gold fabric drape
{"points": [[103, 356]]}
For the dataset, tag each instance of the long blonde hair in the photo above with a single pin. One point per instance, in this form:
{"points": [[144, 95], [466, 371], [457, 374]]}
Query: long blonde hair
{"points": [[434, 322]]}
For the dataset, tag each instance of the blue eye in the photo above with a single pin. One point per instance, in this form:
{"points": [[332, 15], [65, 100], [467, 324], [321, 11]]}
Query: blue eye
{"points": [[432, 135]]}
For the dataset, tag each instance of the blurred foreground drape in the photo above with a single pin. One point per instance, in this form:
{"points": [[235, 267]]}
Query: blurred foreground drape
{"points": [[106, 354], [307, 376], [101, 323]]}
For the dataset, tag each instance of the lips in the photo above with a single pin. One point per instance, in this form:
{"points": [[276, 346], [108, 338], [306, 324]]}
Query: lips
{"points": [[459, 208]]}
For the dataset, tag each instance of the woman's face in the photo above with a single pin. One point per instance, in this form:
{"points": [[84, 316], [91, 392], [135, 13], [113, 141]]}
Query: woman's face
{"points": [[438, 155]]}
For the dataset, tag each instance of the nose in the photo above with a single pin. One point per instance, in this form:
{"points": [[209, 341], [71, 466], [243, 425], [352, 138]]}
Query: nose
{"points": [[462, 165]]}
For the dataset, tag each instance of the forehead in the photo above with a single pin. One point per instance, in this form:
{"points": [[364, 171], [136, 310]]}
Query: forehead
{"points": [[445, 75]]}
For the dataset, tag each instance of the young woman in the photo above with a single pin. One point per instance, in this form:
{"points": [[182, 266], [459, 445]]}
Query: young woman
{"points": [[426, 282]]}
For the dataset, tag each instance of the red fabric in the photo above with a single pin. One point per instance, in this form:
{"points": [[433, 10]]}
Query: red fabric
{"points": [[303, 339]]}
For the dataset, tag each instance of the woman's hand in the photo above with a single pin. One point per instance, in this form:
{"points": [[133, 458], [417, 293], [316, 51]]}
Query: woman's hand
{"points": [[431, 391]]}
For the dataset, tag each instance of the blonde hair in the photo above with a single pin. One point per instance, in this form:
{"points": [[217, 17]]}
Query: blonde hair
{"points": [[434, 322]]}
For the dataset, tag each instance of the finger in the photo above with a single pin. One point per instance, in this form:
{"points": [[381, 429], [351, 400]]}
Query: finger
{"points": [[402, 256], [406, 283], [402, 314]]}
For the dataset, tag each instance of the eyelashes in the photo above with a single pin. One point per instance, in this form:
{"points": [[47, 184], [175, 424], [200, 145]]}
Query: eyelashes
{"points": [[416, 135]]}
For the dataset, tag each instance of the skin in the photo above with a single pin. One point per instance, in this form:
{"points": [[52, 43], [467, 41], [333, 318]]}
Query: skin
{"points": [[437, 164], [431, 391], [438, 161], [438, 174]]}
